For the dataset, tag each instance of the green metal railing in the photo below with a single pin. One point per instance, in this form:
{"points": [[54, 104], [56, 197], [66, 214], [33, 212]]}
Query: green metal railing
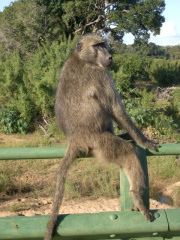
{"points": [[122, 224], [58, 152]]}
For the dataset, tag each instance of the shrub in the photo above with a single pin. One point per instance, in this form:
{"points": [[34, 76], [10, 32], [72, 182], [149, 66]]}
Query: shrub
{"points": [[142, 116], [12, 122], [127, 68], [145, 113], [29, 84], [122, 80], [166, 72]]}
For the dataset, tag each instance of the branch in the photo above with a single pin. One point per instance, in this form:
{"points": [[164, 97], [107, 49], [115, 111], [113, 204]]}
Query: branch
{"points": [[90, 23]]}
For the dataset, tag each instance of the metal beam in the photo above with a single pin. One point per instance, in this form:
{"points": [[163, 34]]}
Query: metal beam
{"points": [[165, 149], [58, 152], [107, 225]]}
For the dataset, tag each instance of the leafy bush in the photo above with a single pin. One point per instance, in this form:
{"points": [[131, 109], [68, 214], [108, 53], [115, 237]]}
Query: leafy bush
{"points": [[145, 113], [11, 78], [122, 80], [127, 68], [135, 65], [29, 84], [142, 116], [12, 122], [166, 72]]}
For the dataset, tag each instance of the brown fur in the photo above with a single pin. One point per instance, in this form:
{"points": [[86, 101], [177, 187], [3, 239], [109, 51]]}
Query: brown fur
{"points": [[86, 103]]}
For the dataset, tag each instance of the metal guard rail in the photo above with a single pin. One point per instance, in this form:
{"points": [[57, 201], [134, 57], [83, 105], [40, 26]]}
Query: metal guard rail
{"points": [[122, 225]]}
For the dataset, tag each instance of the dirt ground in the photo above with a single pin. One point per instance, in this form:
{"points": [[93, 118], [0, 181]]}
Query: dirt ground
{"points": [[43, 206]]}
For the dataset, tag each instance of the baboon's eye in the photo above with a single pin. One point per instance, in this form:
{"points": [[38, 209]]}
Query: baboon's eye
{"points": [[100, 45]]}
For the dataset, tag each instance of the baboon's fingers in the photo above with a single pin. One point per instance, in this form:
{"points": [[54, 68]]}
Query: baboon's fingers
{"points": [[149, 217], [150, 145], [134, 209]]}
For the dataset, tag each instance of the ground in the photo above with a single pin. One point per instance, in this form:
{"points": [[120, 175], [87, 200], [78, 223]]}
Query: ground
{"points": [[42, 206]]}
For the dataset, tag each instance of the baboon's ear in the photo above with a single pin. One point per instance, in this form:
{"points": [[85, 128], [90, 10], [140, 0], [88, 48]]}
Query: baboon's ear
{"points": [[78, 46]]}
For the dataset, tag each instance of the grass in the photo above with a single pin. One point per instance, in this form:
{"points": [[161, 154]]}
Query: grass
{"points": [[105, 181], [163, 172], [165, 168], [176, 197], [18, 207]]}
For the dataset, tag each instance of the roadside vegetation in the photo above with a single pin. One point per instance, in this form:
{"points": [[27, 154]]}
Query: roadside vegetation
{"points": [[33, 50]]}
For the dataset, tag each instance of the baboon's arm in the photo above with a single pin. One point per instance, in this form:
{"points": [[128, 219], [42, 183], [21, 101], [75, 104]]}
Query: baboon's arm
{"points": [[121, 117]]}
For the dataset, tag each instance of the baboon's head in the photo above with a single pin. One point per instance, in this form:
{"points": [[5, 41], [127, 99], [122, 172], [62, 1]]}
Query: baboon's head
{"points": [[92, 49]]}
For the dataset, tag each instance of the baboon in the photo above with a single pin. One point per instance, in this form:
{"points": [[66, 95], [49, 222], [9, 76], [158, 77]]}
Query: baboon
{"points": [[86, 103]]}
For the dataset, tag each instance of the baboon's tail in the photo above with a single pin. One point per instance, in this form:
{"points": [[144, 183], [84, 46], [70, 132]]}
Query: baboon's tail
{"points": [[70, 155]]}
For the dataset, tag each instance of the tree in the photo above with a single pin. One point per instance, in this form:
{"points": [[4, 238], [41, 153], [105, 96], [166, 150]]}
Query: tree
{"points": [[22, 26], [138, 17], [25, 23]]}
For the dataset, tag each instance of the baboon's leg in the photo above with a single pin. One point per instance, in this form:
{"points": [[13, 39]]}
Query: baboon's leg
{"points": [[136, 179], [66, 162], [114, 149]]}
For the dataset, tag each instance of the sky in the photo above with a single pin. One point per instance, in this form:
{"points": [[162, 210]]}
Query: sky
{"points": [[170, 30]]}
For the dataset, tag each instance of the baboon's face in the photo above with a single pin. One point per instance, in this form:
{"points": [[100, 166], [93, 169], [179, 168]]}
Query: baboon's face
{"points": [[93, 49], [104, 59]]}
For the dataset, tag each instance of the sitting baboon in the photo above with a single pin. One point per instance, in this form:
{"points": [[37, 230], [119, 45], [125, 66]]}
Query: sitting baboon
{"points": [[86, 104]]}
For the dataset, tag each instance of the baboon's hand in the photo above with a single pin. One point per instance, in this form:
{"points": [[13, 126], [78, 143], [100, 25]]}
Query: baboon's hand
{"points": [[149, 217], [150, 145]]}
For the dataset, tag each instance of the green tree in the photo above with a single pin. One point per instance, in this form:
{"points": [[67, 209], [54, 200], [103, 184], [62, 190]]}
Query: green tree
{"points": [[22, 26], [136, 16], [25, 23], [155, 50]]}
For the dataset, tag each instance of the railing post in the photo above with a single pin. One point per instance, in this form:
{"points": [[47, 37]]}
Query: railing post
{"points": [[126, 201]]}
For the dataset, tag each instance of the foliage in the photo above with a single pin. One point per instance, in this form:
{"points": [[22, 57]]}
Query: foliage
{"points": [[154, 50], [36, 38], [12, 122], [135, 65], [142, 15], [12, 80], [176, 96], [122, 80], [42, 73], [150, 50], [26, 23], [144, 113], [127, 68], [22, 26], [142, 116], [29, 84], [166, 72]]}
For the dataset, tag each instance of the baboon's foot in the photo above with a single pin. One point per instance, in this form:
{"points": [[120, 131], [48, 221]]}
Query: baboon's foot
{"points": [[140, 206]]}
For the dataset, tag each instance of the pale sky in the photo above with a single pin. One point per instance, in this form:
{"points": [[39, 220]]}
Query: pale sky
{"points": [[170, 31]]}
